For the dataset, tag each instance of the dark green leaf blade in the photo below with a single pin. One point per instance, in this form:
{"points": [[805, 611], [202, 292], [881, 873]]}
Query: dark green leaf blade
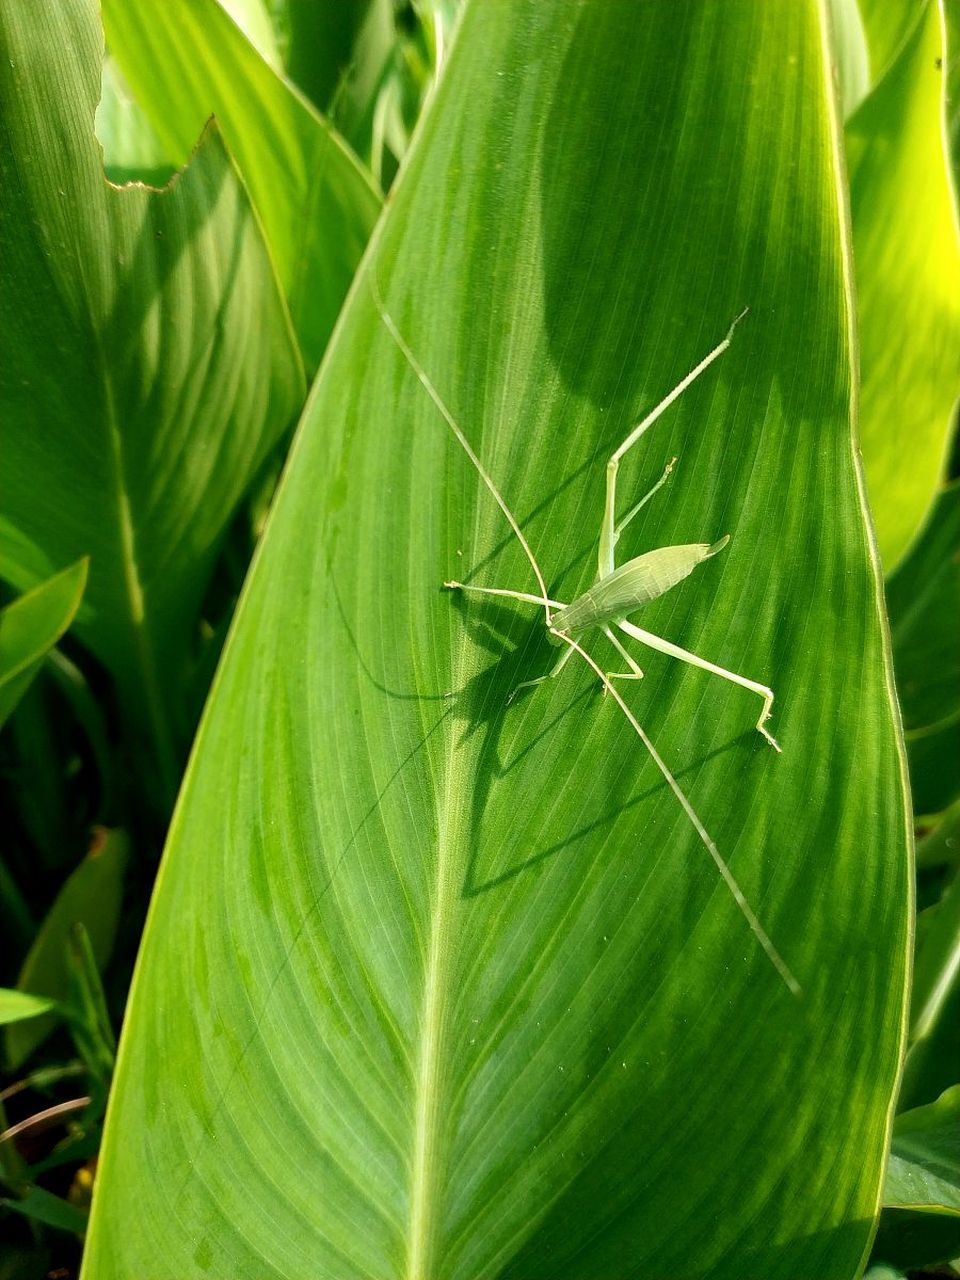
{"points": [[469, 998], [931, 1064], [91, 895], [52, 1211], [923, 599], [924, 1168], [911, 1239]]}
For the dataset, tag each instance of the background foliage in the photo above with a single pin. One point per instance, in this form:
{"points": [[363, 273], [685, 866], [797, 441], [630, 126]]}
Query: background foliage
{"points": [[451, 987]]}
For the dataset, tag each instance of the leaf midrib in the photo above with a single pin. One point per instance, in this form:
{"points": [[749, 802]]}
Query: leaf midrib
{"points": [[428, 1157]]}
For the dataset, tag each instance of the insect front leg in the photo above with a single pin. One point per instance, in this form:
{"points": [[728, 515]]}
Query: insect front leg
{"points": [[554, 671], [609, 530], [526, 596]]}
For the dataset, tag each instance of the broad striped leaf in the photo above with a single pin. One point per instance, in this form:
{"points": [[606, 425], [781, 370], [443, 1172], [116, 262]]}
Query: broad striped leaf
{"points": [[458, 991]]}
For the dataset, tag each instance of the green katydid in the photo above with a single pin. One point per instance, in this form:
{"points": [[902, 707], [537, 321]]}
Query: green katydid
{"points": [[617, 592]]}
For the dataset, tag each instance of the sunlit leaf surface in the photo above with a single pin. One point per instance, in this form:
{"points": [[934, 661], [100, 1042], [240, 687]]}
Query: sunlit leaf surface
{"points": [[907, 253], [15, 1006]]}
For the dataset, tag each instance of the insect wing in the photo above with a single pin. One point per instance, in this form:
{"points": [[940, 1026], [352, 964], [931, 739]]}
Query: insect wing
{"points": [[635, 583]]}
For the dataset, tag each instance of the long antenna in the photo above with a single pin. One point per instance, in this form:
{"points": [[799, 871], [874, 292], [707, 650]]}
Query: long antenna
{"points": [[465, 444]]}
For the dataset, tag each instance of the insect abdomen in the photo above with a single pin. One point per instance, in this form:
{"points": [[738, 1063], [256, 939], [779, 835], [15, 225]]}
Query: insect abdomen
{"points": [[635, 583]]}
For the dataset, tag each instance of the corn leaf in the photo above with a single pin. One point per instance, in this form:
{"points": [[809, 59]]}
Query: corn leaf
{"points": [[931, 1064]]}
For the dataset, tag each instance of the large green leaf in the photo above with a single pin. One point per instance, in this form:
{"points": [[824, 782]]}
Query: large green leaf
{"points": [[435, 986], [186, 59], [887, 26], [908, 282], [148, 360]]}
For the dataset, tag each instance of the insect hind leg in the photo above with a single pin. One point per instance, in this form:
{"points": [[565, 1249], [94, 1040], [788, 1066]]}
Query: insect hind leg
{"points": [[743, 905], [684, 655]]}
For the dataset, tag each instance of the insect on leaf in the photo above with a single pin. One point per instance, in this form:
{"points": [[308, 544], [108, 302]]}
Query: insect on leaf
{"points": [[468, 996]]}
